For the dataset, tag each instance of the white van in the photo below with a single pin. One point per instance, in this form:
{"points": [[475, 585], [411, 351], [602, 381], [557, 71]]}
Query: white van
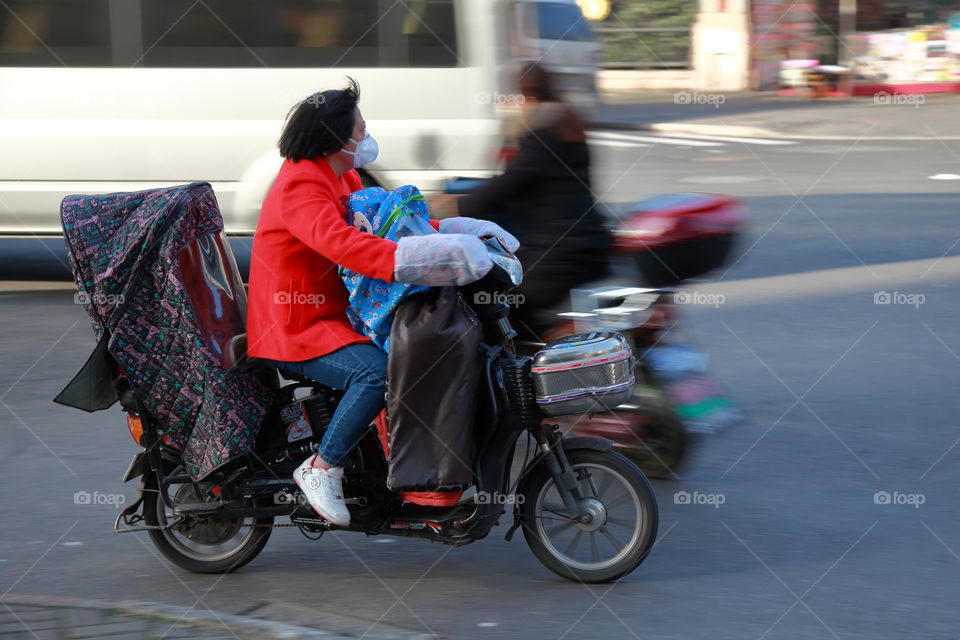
{"points": [[101, 96], [556, 33]]}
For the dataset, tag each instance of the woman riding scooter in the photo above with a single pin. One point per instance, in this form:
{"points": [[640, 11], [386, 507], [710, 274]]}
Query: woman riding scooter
{"points": [[297, 302]]}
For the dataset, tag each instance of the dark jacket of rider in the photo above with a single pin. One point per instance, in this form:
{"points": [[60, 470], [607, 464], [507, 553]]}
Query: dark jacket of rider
{"points": [[544, 198]]}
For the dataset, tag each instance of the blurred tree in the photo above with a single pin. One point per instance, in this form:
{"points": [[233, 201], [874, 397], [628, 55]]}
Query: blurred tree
{"points": [[647, 48]]}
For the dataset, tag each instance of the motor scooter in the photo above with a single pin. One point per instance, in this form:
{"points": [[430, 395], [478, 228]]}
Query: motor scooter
{"points": [[587, 512]]}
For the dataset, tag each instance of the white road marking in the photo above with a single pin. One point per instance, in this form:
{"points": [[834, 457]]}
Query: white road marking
{"points": [[697, 136], [944, 176], [652, 139], [617, 143]]}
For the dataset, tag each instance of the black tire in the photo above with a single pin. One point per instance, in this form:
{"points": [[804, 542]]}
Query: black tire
{"points": [[173, 542], [639, 495], [661, 439]]}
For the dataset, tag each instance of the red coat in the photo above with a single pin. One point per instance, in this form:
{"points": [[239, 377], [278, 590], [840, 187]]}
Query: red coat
{"points": [[297, 302]]}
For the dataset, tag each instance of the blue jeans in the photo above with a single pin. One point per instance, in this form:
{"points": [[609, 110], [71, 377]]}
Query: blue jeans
{"points": [[361, 371]]}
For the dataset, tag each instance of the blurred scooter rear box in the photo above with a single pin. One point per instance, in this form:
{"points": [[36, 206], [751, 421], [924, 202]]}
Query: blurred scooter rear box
{"points": [[679, 236]]}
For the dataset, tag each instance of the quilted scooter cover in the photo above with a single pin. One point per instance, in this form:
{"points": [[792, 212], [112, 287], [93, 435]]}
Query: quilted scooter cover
{"points": [[124, 250]]}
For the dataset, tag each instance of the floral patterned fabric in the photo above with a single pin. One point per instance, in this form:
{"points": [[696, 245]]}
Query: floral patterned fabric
{"points": [[124, 251], [392, 216]]}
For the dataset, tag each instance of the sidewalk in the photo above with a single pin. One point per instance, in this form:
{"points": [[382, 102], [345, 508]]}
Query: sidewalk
{"points": [[41, 623], [767, 115], [25, 617], [41, 617]]}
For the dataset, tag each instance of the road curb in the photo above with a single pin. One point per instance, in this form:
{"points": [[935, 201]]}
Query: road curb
{"points": [[739, 131], [239, 625]]}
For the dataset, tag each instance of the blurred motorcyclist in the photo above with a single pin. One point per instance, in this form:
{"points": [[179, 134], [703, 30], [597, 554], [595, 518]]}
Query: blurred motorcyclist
{"points": [[545, 199]]}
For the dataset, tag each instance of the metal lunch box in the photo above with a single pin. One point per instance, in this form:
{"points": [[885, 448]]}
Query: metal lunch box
{"points": [[583, 373]]}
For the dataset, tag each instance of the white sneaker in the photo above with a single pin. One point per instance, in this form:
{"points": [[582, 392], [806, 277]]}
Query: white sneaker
{"points": [[324, 491]]}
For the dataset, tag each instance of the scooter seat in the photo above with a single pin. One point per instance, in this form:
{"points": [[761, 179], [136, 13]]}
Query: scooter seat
{"points": [[236, 360], [235, 356]]}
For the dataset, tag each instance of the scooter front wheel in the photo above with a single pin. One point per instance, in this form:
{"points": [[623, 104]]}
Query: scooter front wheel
{"points": [[622, 518]]}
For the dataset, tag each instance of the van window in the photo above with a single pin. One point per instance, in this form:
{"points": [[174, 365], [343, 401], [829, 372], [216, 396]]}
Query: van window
{"points": [[228, 33], [61, 33], [555, 21], [299, 33]]}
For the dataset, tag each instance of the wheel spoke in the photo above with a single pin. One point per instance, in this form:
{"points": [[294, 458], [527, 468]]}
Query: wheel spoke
{"points": [[557, 528], [612, 539], [572, 547], [623, 522], [594, 551], [563, 517], [604, 485], [611, 504]]}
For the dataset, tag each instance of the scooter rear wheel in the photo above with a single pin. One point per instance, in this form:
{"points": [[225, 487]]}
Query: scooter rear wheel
{"points": [[202, 545], [623, 526]]}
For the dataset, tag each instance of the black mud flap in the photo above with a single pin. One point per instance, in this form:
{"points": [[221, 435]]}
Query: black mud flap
{"points": [[138, 466], [92, 389]]}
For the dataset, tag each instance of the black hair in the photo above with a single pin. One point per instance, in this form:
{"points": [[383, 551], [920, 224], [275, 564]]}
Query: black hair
{"points": [[320, 124], [536, 82]]}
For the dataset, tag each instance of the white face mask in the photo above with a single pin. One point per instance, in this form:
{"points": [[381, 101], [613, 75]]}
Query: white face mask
{"points": [[365, 152]]}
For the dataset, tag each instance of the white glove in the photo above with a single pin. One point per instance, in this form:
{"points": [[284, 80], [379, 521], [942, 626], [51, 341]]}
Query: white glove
{"points": [[481, 229], [441, 260]]}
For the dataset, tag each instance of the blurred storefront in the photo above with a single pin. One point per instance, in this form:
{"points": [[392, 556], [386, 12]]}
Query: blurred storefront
{"points": [[894, 45], [781, 30], [906, 47], [859, 46]]}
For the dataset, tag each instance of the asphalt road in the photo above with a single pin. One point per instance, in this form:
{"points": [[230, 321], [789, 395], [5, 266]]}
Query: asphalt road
{"points": [[839, 495]]}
